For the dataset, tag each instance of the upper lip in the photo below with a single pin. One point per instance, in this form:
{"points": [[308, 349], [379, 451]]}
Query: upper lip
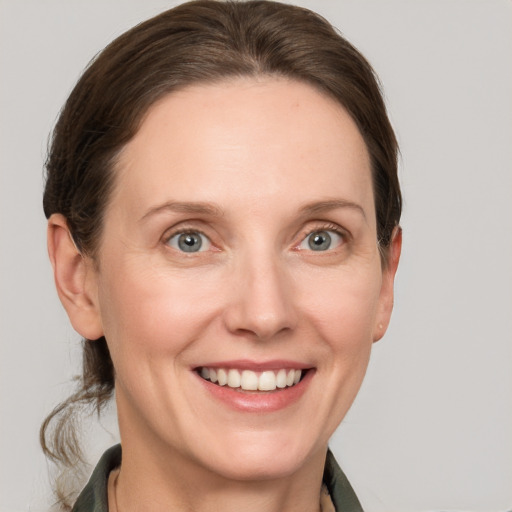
{"points": [[256, 366]]}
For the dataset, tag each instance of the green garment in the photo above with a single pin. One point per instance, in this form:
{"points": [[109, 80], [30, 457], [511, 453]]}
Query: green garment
{"points": [[93, 498]]}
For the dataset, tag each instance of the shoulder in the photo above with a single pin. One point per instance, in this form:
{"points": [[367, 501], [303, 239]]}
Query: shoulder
{"points": [[343, 496], [93, 498]]}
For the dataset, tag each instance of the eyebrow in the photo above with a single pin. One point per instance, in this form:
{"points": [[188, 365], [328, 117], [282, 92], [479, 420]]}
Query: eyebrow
{"points": [[196, 208], [331, 204], [212, 210]]}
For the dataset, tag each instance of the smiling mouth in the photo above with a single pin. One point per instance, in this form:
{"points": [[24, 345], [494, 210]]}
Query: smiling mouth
{"points": [[248, 380]]}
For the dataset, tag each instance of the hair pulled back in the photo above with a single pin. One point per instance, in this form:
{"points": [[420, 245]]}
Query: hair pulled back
{"points": [[202, 41]]}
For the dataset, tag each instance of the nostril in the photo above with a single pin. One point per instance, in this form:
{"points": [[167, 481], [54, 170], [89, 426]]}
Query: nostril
{"points": [[262, 304]]}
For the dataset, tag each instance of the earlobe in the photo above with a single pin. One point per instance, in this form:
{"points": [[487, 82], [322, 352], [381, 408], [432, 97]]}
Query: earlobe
{"points": [[74, 279], [387, 289]]}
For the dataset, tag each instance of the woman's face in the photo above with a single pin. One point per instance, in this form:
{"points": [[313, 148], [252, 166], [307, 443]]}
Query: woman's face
{"points": [[240, 244]]}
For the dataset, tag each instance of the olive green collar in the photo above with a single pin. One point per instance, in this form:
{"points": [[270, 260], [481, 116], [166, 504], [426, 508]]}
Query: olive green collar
{"points": [[93, 498]]}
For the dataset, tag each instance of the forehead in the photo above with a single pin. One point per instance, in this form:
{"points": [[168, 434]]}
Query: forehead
{"points": [[245, 140]]}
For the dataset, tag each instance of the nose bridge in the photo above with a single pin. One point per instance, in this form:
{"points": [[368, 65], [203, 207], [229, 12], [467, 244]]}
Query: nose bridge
{"points": [[262, 303]]}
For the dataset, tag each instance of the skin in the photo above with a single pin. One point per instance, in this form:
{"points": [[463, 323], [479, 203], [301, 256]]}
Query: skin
{"points": [[258, 153]]}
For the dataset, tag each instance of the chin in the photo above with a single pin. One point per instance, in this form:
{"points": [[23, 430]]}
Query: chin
{"points": [[263, 458]]}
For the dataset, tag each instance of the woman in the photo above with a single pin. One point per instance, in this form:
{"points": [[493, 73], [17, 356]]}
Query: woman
{"points": [[223, 227]]}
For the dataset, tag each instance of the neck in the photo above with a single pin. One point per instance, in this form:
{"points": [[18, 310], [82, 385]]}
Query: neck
{"points": [[156, 481]]}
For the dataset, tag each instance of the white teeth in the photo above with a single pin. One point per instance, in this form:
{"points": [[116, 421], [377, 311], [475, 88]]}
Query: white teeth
{"points": [[222, 377], [281, 378], [251, 381], [267, 381], [234, 378]]}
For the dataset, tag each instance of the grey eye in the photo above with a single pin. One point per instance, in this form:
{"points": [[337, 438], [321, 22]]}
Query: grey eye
{"points": [[189, 242], [321, 241]]}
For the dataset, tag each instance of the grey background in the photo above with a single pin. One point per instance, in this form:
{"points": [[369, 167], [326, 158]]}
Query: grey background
{"points": [[432, 426]]}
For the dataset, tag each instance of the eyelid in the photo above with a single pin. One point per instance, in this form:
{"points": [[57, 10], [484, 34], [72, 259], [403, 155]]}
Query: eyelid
{"points": [[180, 231], [172, 233], [185, 226], [322, 226], [302, 235]]}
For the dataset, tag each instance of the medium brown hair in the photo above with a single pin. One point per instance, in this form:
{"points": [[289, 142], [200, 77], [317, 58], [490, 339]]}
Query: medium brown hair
{"points": [[203, 41]]}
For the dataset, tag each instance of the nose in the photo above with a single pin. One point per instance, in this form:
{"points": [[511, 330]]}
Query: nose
{"points": [[262, 300]]}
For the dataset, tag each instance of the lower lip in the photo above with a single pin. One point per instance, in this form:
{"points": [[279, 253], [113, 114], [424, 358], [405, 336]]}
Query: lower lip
{"points": [[263, 401]]}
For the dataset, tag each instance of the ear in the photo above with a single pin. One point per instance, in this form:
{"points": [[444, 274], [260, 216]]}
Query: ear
{"points": [[75, 279], [385, 307]]}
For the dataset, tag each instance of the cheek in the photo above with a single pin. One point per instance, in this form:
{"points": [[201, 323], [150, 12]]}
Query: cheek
{"points": [[341, 310], [343, 305], [153, 311]]}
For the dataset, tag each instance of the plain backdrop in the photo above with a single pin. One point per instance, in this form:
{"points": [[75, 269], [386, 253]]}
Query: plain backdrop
{"points": [[432, 426]]}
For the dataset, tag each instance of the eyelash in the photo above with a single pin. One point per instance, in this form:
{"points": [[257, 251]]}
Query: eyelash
{"points": [[184, 231], [329, 227]]}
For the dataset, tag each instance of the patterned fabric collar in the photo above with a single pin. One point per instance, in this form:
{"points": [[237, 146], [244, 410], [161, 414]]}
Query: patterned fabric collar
{"points": [[340, 496]]}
